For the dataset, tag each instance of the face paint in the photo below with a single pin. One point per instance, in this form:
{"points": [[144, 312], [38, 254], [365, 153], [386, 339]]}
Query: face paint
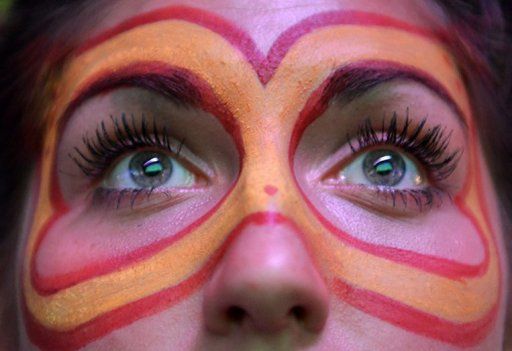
{"points": [[280, 95], [271, 190]]}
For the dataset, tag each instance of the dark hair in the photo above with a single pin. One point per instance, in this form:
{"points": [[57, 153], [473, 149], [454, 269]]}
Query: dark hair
{"points": [[483, 31], [37, 32]]}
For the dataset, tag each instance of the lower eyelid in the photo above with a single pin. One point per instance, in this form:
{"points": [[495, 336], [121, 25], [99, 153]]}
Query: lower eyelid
{"points": [[405, 202], [137, 202]]}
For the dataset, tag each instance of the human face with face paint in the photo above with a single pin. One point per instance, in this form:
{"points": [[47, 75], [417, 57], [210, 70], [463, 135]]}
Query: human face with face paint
{"points": [[254, 176]]}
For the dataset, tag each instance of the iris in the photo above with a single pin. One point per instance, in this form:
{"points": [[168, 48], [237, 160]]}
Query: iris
{"points": [[384, 167], [150, 169]]}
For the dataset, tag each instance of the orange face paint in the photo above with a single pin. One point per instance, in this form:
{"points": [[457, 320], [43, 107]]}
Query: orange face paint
{"points": [[266, 97]]}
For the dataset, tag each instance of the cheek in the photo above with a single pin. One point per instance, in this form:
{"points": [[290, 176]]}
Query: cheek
{"points": [[70, 246], [447, 234], [159, 331]]}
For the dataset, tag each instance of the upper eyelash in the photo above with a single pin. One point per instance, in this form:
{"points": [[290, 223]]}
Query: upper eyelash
{"points": [[428, 145], [104, 147]]}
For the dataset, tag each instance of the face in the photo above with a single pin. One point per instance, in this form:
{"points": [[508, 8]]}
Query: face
{"points": [[253, 176]]}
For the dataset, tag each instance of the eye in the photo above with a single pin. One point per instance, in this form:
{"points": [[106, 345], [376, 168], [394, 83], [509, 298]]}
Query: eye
{"points": [[149, 170], [383, 167], [396, 167]]}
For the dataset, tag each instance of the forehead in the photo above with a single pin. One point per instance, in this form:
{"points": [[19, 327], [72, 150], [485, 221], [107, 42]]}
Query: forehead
{"points": [[265, 33], [265, 20]]}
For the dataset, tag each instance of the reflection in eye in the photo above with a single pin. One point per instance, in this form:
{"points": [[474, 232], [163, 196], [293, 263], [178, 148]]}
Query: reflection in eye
{"points": [[406, 163], [382, 167], [148, 169]]}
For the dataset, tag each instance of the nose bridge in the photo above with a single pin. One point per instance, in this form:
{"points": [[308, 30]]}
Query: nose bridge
{"points": [[266, 180], [267, 183]]}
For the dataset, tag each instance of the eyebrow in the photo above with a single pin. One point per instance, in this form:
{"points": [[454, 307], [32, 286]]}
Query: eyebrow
{"points": [[177, 85], [351, 82]]}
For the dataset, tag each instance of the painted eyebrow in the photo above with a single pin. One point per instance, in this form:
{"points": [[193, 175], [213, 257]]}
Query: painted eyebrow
{"points": [[174, 84], [178, 85], [351, 82]]}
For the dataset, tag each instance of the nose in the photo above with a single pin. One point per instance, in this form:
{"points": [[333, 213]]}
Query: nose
{"points": [[266, 282]]}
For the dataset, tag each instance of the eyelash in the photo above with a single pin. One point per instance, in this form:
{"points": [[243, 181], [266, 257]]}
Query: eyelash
{"points": [[105, 148], [428, 145]]}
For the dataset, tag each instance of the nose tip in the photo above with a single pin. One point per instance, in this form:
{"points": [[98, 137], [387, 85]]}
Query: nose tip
{"points": [[269, 306], [266, 283]]}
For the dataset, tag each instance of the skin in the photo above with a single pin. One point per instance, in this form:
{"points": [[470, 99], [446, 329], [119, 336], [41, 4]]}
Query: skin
{"points": [[261, 253]]}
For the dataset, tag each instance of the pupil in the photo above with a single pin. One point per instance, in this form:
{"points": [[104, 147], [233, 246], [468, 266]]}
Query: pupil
{"points": [[150, 169], [384, 167]]}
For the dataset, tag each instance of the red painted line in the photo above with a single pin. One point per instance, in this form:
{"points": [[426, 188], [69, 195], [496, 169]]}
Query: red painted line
{"points": [[320, 98], [51, 340], [467, 334], [234, 35], [52, 284], [314, 108], [135, 74], [416, 321], [394, 312], [384, 308], [101, 83], [333, 18], [264, 66], [433, 264]]}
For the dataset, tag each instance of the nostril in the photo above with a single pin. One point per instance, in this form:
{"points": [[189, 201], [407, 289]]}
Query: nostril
{"points": [[298, 313], [236, 314], [265, 283]]}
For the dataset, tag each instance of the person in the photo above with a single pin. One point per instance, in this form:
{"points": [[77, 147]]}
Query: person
{"points": [[254, 175]]}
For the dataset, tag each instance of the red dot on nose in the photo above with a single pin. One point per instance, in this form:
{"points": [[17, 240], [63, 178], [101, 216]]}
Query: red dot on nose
{"points": [[270, 190]]}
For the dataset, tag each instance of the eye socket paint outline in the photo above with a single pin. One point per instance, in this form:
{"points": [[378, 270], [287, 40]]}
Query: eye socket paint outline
{"points": [[393, 311], [99, 84]]}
